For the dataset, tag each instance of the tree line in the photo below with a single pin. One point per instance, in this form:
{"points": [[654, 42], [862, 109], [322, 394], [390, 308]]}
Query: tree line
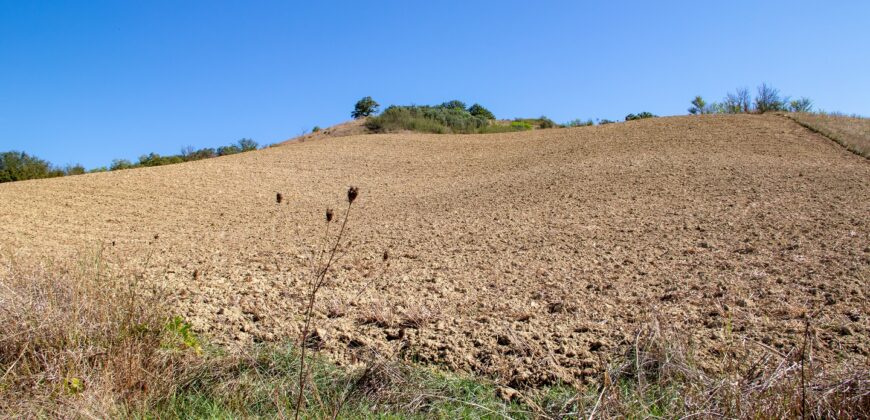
{"points": [[20, 166]]}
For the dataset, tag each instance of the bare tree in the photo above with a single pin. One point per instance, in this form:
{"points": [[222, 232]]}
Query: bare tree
{"points": [[768, 99], [737, 102]]}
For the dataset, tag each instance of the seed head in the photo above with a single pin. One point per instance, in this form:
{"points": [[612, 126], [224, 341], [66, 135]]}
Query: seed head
{"points": [[352, 193], [386, 255], [328, 215], [279, 198]]}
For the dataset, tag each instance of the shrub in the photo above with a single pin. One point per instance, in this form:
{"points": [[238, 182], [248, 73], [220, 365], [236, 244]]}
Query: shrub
{"points": [[640, 116], [579, 123], [454, 104], [364, 107], [228, 150], [427, 119], [604, 121], [19, 166], [76, 169], [520, 125], [479, 111], [801, 105], [737, 102], [315, 129], [154, 159], [768, 99], [246, 145], [542, 122], [699, 106], [205, 153], [545, 122], [118, 164]]}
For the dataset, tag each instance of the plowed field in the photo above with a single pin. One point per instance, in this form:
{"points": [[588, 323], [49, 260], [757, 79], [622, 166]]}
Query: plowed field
{"points": [[531, 257]]}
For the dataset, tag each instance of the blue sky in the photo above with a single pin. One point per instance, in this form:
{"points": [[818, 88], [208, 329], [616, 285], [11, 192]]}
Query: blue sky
{"points": [[89, 81]]}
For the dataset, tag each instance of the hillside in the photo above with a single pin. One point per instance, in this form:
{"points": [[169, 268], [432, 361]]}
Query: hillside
{"points": [[530, 257]]}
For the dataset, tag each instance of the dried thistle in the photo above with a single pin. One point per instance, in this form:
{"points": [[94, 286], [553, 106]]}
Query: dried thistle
{"points": [[279, 198], [329, 215], [352, 192], [386, 255]]}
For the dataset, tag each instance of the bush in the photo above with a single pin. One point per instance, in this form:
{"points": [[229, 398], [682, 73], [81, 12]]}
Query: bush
{"points": [[542, 122], [154, 159], [737, 102], [19, 166], [427, 119], [246, 145], [801, 105], [205, 153], [768, 99], [604, 121], [454, 104], [315, 129], [479, 111], [520, 125], [364, 107], [579, 123], [545, 122], [119, 164], [699, 106], [76, 169], [642, 115]]}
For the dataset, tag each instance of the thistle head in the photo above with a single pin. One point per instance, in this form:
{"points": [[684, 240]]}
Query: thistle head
{"points": [[352, 192], [329, 215], [279, 198]]}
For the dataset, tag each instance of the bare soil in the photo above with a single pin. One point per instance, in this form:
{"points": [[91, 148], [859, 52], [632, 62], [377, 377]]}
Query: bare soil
{"points": [[530, 257]]}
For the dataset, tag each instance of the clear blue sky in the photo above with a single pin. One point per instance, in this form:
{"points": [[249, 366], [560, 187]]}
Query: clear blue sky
{"points": [[90, 81]]}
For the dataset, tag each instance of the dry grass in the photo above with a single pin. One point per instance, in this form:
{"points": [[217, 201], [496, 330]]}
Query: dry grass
{"points": [[852, 132], [658, 376], [77, 341]]}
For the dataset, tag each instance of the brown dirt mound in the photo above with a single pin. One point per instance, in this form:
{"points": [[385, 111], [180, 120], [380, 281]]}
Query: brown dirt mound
{"points": [[529, 256]]}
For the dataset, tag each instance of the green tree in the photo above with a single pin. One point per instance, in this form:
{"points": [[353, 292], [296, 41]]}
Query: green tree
{"points": [[454, 104], [118, 164], [247, 145], [545, 122], [76, 169], [364, 108], [699, 106], [19, 166], [479, 111], [228, 150], [642, 115]]}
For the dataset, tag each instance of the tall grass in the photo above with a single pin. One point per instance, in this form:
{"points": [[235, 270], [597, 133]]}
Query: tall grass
{"points": [[76, 339], [852, 132]]}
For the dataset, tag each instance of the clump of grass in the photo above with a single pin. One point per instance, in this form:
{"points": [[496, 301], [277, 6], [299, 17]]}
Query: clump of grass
{"points": [[262, 383], [76, 340], [658, 376]]}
